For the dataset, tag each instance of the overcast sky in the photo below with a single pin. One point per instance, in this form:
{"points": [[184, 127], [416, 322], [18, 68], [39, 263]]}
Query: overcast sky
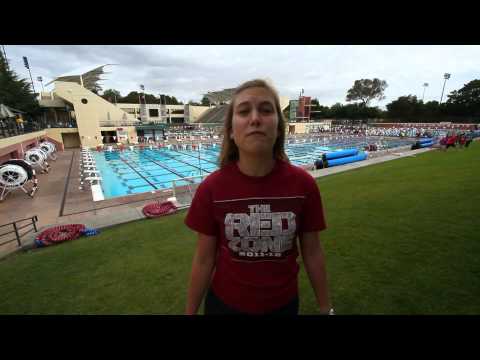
{"points": [[325, 72]]}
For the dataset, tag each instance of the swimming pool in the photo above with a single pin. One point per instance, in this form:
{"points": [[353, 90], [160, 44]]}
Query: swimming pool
{"points": [[138, 171], [306, 152]]}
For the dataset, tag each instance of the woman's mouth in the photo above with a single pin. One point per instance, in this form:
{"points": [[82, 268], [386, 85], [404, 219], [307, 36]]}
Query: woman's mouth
{"points": [[256, 133]]}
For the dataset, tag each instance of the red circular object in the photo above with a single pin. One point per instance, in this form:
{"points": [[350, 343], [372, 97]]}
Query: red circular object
{"points": [[61, 233], [156, 209]]}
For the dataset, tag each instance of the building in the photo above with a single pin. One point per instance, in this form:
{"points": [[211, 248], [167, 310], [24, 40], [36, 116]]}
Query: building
{"points": [[300, 109], [81, 117], [74, 115]]}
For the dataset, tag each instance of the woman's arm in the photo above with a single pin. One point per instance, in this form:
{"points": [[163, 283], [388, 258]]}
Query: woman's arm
{"points": [[202, 267], [313, 258]]}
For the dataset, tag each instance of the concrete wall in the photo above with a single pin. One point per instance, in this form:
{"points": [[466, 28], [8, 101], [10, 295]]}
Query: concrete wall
{"points": [[71, 140], [194, 112], [284, 102], [21, 138], [131, 132], [48, 99], [55, 135], [300, 128], [159, 107], [89, 115], [15, 146], [305, 127]]}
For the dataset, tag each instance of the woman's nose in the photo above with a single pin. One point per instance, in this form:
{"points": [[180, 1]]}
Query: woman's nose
{"points": [[254, 117]]}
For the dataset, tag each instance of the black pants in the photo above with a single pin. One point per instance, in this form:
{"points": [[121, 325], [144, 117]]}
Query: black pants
{"points": [[215, 306]]}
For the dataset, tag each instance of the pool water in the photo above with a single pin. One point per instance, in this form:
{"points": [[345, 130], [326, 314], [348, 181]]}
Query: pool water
{"points": [[133, 172], [139, 171]]}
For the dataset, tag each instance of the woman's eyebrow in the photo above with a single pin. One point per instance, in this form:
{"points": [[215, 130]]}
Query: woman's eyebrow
{"points": [[266, 102], [246, 102]]}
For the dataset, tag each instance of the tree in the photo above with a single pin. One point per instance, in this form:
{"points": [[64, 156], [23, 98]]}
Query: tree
{"points": [[431, 109], [15, 92], [337, 111], [405, 107], [205, 101], [366, 90], [151, 99], [465, 101], [169, 100], [131, 98], [319, 111], [112, 95]]}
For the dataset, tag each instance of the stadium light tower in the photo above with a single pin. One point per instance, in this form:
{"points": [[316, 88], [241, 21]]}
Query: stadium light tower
{"points": [[5, 56], [40, 79], [425, 85], [446, 76], [27, 65], [142, 106], [142, 87], [163, 108]]}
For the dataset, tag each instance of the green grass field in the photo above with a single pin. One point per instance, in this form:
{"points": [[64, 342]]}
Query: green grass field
{"points": [[402, 238]]}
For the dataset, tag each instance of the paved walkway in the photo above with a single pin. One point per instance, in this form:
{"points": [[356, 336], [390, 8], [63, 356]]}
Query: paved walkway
{"points": [[61, 195]]}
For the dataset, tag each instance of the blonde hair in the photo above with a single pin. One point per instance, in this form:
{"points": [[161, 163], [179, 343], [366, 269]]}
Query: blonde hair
{"points": [[229, 152]]}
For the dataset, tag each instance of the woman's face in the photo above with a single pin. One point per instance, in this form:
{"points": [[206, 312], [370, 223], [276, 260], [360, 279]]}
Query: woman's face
{"points": [[255, 121]]}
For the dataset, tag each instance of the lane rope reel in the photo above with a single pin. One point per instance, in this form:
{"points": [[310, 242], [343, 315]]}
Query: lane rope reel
{"points": [[154, 210], [58, 234]]}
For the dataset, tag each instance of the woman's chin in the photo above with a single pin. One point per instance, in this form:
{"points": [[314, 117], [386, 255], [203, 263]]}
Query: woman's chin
{"points": [[260, 149]]}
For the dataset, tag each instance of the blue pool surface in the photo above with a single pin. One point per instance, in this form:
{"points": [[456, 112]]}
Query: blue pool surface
{"points": [[139, 171]]}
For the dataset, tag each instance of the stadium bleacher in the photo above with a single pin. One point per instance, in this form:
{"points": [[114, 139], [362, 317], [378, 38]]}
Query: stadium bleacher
{"points": [[213, 115]]}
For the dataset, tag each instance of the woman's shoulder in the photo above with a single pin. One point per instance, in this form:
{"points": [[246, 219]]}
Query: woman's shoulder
{"points": [[297, 173], [294, 169], [216, 176]]}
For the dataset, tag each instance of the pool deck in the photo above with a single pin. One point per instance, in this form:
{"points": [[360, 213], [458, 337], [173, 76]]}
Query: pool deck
{"points": [[60, 201]]}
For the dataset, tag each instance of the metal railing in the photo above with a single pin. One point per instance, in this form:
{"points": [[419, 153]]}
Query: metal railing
{"points": [[16, 229], [9, 127], [110, 123], [185, 191]]}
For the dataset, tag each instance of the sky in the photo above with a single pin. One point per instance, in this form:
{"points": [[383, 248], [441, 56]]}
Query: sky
{"points": [[325, 72]]}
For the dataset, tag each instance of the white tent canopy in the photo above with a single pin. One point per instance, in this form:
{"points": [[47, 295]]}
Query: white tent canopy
{"points": [[87, 77], [5, 112]]}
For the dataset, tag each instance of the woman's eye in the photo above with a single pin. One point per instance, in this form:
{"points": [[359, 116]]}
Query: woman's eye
{"points": [[266, 110], [243, 112]]}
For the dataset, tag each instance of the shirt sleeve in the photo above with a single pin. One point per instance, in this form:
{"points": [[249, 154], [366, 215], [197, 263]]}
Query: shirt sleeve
{"points": [[313, 214], [200, 214]]}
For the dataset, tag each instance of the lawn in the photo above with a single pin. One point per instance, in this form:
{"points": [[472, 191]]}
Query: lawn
{"points": [[402, 238]]}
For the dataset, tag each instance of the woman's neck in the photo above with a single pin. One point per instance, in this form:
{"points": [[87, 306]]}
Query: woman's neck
{"points": [[256, 165]]}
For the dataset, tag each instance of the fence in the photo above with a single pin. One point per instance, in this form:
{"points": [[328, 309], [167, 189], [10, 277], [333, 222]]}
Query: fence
{"points": [[9, 127], [184, 189], [16, 229]]}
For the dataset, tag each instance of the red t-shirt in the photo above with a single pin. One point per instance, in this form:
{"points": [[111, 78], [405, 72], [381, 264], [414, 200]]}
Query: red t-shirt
{"points": [[256, 221]]}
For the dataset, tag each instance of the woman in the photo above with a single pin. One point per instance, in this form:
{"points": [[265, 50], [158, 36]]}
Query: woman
{"points": [[249, 213]]}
